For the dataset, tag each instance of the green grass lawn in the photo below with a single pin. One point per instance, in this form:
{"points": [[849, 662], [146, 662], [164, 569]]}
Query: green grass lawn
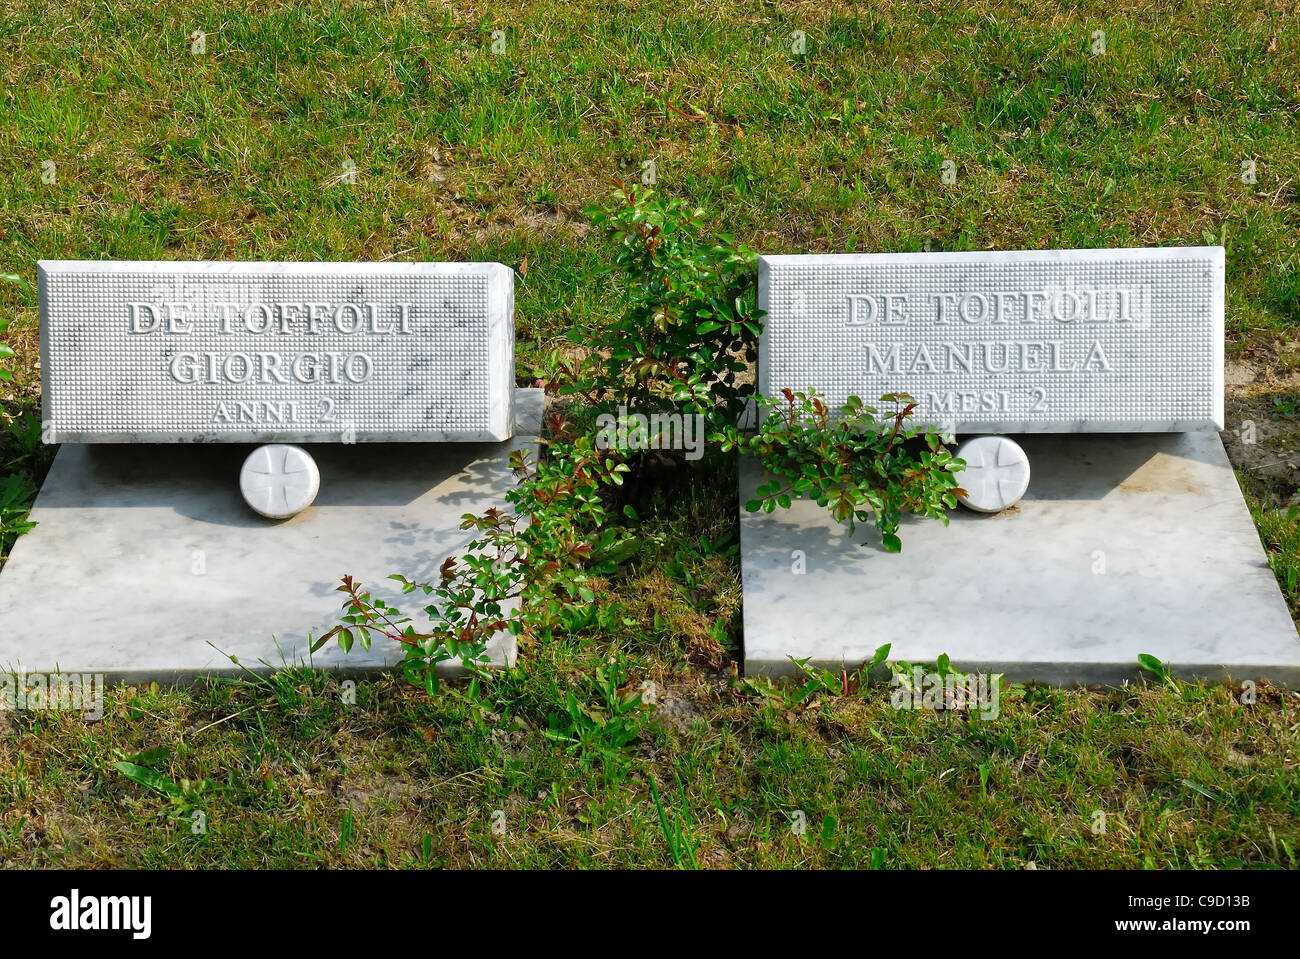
{"points": [[286, 776], [247, 151]]}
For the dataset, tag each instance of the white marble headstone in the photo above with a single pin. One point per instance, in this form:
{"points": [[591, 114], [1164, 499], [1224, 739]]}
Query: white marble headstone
{"points": [[276, 352], [1008, 342]]}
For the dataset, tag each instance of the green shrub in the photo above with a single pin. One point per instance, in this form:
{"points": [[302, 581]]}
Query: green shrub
{"points": [[858, 467], [682, 347], [692, 322]]}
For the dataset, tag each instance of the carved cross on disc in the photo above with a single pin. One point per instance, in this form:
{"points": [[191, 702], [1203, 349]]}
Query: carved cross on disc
{"points": [[996, 474], [279, 481]]}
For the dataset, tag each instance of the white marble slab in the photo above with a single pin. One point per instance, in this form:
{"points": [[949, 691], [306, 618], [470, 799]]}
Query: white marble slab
{"points": [[276, 352], [145, 555], [1124, 544], [1005, 342]]}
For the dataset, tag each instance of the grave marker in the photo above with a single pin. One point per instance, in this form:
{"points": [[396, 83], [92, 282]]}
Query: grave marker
{"points": [[1123, 543], [1019, 342], [155, 546], [173, 352]]}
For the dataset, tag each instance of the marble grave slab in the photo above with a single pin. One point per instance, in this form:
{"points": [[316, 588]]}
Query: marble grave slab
{"points": [[1004, 342], [143, 556], [172, 352], [1123, 544]]}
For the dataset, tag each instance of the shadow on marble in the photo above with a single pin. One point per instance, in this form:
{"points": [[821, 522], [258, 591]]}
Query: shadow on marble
{"points": [[1146, 548], [145, 558]]}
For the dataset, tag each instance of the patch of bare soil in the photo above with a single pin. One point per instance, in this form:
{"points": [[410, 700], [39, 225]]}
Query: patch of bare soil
{"points": [[1262, 427], [677, 710]]}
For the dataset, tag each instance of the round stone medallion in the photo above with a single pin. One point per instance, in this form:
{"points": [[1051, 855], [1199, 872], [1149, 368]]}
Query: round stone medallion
{"points": [[996, 473], [279, 481]]}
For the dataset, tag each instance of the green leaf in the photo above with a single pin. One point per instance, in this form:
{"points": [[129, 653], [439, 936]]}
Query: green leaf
{"points": [[1202, 790], [1149, 662], [828, 829], [325, 638], [149, 778], [891, 542]]}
